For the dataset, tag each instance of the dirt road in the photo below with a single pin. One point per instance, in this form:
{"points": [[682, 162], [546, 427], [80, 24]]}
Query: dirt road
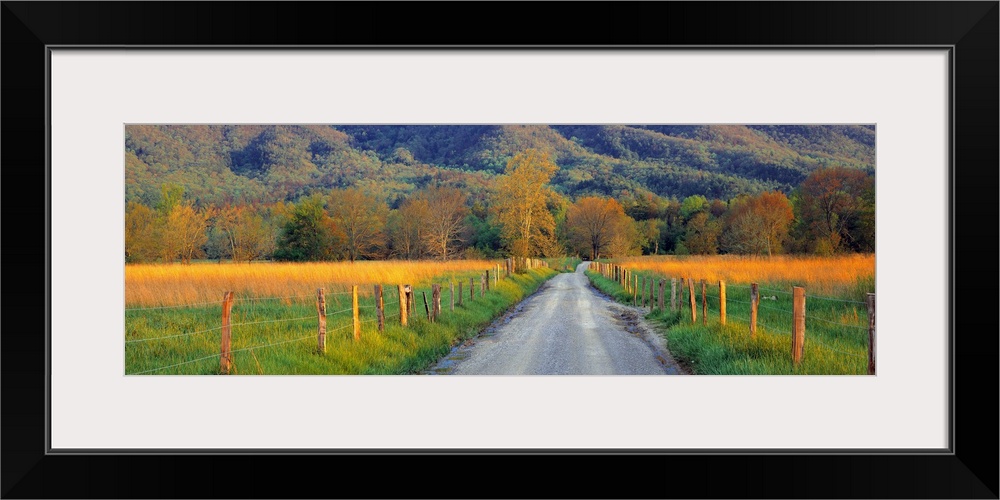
{"points": [[566, 328]]}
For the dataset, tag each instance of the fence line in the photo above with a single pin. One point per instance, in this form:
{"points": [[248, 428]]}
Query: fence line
{"points": [[835, 299], [236, 301], [774, 309], [390, 309], [836, 323], [718, 303], [174, 336], [255, 299]]}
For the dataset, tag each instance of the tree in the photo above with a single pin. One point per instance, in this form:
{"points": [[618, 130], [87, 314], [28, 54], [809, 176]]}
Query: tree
{"points": [[361, 217], [520, 204], [702, 235], [246, 234], [405, 228], [649, 234], [693, 205], [626, 238], [171, 195], [592, 223], [140, 233], [835, 211], [445, 222], [757, 224], [186, 231], [308, 233]]}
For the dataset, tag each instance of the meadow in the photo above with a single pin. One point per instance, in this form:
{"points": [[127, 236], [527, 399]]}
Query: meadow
{"points": [[173, 315], [836, 338]]}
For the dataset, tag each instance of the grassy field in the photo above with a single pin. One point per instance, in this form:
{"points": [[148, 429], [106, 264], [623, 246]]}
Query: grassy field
{"points": [[275, 322], [836, 316], [148, 285]]}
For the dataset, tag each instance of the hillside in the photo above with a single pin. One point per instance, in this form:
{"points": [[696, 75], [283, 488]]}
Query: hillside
{"points": [[221, 163]]}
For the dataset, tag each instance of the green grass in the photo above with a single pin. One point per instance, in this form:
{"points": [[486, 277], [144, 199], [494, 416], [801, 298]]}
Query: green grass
{"points": [[274, 346], [836, 331], [563, 264]]}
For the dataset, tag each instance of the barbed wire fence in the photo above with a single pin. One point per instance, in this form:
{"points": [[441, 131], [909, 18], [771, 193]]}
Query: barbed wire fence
{"points": [[398, 303], [833, 333]]}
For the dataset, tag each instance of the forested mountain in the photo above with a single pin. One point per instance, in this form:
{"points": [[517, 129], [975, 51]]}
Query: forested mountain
{"points": [[267, 163]]}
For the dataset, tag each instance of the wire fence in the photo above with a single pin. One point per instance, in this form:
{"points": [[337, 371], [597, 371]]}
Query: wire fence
{"points": [[255, 311], [834, 324]]}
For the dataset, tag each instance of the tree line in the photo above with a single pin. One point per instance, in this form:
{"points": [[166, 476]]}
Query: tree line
{"points": [[831, 211]]}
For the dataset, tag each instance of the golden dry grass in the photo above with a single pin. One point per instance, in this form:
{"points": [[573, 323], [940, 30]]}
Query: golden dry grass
{"points": [[149, 285], [823, 275]]}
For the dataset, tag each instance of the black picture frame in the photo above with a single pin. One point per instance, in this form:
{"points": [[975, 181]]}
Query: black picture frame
{"points": [[970, 29]]}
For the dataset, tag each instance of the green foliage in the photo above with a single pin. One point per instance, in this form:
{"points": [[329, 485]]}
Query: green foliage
{"points": [[693, 205], [308, 234], [171, 195], [260, 163]]}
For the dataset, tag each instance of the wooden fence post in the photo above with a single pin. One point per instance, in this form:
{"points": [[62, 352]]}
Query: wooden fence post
{"points": [[693, 300], [722, 302], [472, 289], [402, 305], [225, 360], [754, 299], [427, 309], [452, 295], [487, 282], [798, 323], [482, 285], [436, 298], [870, 302], [659, 294], [635, 290], [459, 293], [380, 308], [409, 300], [652, 294], [321, 312], [673, 294], [642, 293], [704, 304], [354, 305]]}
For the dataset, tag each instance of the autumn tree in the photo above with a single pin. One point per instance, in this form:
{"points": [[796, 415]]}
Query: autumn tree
{"points": [[702, 234], [835, 211], [757, 224], [245, 233], [592, 223], [361, 217], [520, 204], [405, 227], [140, 233], [445, 220], [186, 232], [626, 238]]}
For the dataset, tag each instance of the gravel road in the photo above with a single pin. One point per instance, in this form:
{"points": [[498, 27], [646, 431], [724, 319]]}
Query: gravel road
{"points": [[566, 328]]}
